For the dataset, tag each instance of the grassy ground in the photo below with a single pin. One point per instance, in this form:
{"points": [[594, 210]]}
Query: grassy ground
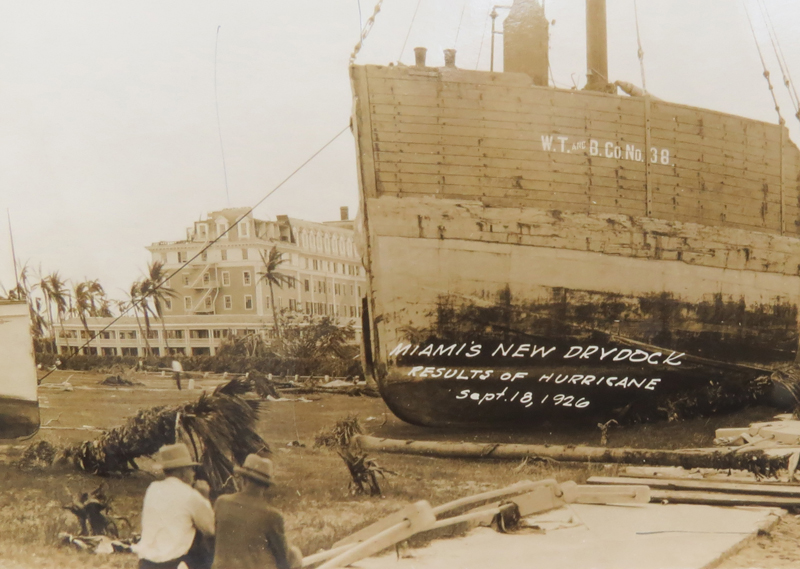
{"points": [[312, 484]]}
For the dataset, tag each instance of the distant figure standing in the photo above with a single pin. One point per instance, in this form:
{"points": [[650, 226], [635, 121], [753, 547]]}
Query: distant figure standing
{"points": [[177, 517], [250, 533], [177, 370]]}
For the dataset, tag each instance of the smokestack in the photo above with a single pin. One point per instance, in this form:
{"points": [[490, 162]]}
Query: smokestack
{"points": [[596, 46], [525, 41], [419, 55], [449, 58], [344, 213]]}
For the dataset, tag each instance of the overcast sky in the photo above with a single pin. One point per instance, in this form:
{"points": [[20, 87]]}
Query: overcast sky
{"points": [[109, 138]]}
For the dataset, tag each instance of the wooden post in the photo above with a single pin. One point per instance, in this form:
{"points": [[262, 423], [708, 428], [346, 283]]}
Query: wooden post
{"points": [[783, 206], [648, 208]]}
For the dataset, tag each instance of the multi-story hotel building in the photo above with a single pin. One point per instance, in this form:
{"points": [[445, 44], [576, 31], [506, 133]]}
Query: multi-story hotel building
{"points": [[219, 291]]}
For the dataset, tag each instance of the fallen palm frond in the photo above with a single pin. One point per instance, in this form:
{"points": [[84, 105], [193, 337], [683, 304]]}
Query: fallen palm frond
{"points": [[363, 470], [219, 428]]}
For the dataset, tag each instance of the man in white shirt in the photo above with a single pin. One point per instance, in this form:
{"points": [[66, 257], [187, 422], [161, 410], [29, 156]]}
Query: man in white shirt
{"points": [[176, 516], [177, 370]]}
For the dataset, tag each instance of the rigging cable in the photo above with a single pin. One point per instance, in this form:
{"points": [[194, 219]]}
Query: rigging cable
{"points": [[460, 19], [365, 32], [776, 47], [483, 37], [411, 25], [166, 279], [764, 65], [219, 124], [360, 18], [640, 52]]}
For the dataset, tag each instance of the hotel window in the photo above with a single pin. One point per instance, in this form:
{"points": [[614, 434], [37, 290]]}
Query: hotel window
{"points": [[228, 302], [187, 302], [226, 278], [185, 280], [206, 279], [202, 231], [221, 229], [244, 229], [204, 255], [308, 308], [292, 304], [168, 303], [181, 257], [248, 302], [208, 303], [175, 334], [307, 285], [244, 254], [224, 254], [246, 278]]}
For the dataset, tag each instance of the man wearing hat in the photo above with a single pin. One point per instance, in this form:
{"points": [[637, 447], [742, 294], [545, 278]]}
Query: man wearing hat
{"points": [[250, 533], [175, 516]]}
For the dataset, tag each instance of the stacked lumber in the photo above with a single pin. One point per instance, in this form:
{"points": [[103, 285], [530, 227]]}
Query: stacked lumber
{"points": [[709, 492]]}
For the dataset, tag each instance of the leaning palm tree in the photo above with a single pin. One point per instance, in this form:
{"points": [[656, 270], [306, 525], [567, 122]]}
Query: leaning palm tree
{"points": [[58, 293], [44, 286], [155, 289], [83, 304], [274, 277]]}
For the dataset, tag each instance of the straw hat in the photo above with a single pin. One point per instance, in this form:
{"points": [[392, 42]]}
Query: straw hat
{"points": [[175, 456], [256, 468]]}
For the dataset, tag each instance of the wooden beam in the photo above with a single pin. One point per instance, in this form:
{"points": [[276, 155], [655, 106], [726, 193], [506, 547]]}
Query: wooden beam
{"points": [[715, 486]]}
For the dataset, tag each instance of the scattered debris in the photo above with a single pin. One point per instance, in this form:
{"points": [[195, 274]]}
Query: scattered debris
{"points": [[119, 380], [99, 544], [93, 510]]}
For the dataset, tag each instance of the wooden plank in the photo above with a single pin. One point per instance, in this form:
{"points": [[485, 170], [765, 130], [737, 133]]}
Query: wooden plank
{"points": [[510, 131], [636, 172], [506, 187], [363, 132], [707, 485], [749, 200], [506, 120], [454, 152], [689, 214], [722, 499], [510, 105], [739, 135], [619, 209]]}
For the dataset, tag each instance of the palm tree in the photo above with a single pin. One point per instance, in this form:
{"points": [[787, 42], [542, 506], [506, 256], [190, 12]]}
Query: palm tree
{"points": [[272, 276], [136, 304], [155, 289], [44, 285], [83, 304], [56, 292]]}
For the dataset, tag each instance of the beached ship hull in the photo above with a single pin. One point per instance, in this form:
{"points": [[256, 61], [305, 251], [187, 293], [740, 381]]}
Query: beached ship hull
{"points": [[542, 254]]}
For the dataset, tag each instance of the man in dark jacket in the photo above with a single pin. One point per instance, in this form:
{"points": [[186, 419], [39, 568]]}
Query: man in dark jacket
{"points": [[249, 532]]}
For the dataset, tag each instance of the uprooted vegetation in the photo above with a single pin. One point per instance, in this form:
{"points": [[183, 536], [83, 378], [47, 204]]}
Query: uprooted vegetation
{"points": [[364, 471], [218, 427]]}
